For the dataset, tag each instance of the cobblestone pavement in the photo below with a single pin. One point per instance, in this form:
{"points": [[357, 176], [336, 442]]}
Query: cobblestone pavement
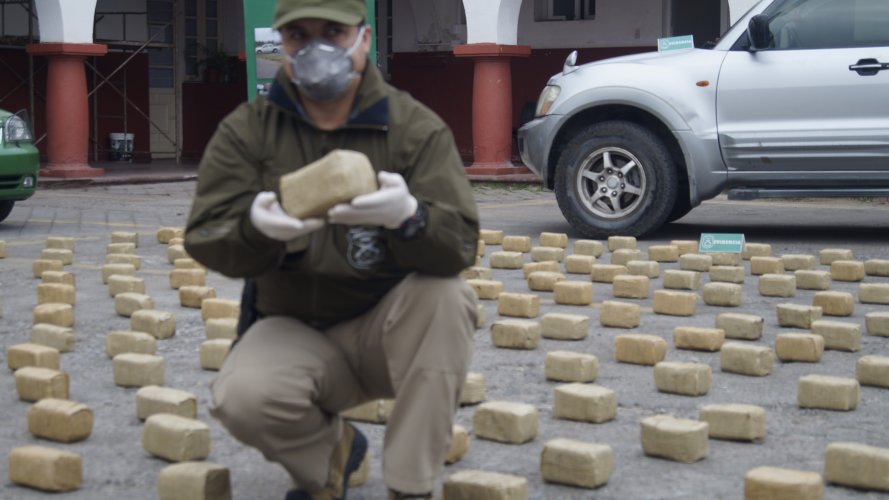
{"points": [[115, 465]]}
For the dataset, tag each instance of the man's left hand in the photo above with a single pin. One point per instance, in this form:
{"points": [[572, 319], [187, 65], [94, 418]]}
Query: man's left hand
{"points": [[389, 206]]}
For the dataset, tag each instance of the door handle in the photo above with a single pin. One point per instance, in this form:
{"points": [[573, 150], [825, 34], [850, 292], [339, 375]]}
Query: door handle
{"points": [[868, 67]]}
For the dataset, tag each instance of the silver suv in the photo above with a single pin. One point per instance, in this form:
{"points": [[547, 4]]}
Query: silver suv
{"points": [[792, 101]]}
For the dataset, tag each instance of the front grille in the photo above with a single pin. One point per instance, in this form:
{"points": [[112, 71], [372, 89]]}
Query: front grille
{"points": [[10, 181]]}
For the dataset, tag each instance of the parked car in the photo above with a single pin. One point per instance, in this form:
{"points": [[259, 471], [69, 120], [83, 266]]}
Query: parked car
{"points": [[19, 161], [793, 101], [268, 48]]}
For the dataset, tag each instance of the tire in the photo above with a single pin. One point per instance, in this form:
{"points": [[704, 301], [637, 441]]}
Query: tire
{"points": [[5, 208], [680, 209], [640, 191]]}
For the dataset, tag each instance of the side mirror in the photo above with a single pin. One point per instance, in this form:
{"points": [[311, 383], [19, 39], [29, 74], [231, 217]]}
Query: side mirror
{"points": [[758, 32]]}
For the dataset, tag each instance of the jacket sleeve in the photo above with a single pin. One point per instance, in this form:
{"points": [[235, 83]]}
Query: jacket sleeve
{"points": [[219, 233], [435, 175]]}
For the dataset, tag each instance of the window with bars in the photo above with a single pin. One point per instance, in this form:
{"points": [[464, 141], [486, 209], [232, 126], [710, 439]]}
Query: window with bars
{"points": [[564, 10]]}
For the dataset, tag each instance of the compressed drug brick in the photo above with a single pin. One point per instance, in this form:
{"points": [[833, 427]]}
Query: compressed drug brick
{"points": [[756, 250], [185, 277], [63, 277], [532, 267], [777, 285], [561, 326], [630, 286], [873, 293], [473, 391], [877, 323], [226, 328], [125, 237], [857, 465], [619, 242], [579, 264], [483, 485], [54, 314], [740, 326], [685, 246], [738, 422], [176, 241], [827, 256], [812, 280], [676, 279], [663, 253], [766, 265], [491, 236], [675, 439], [506, 260], [726, 259], [576, 463], [543, 281], [799, 347], [60, 420], [569, 366], [559, 240], [476, 273], [876, 267], [695, 262], [799, 262], [779, 483], [125, 304], [620, 314], [505, 422], [112, 269], [797, 315], [622, 256], [152, 399], [39, 266], [828, 393], [376, 411], [58, 337], [120, 248], [48, 293], [517, 244], [138, 370], [122, 341], [722, 294], [63, 242], [589, 247], [585, 403], [66, 257], [573, 293], [194, 481], [648, 268], [193, 296], [746, 359], [873, 370], [166, 233], [727, 274], [480, 249], [639, 349], [158, 324], [335, 178], [213, 353], [175, 252], [175, 438], [544, 254], [834, 303], [674, 303], [22, 355], [121, 283], [837, 335], [522, 305], [45, 468], [687, 379], [33, 383], [698, 339], [605, 273], [515, 334], [220, 308], [486, 289], [846, 270], [459, 444]]}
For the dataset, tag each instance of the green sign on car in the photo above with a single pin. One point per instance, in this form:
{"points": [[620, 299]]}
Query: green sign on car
{"points": [[19, 161]]}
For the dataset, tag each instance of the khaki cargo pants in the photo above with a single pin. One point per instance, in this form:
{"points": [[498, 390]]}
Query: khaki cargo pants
{"points": [[281, 388]]}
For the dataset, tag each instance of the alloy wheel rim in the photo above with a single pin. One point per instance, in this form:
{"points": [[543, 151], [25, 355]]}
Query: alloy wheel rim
{"points": [[611, 182]]}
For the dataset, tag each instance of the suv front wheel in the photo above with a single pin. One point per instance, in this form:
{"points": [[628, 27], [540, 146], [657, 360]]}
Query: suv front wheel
{"points": [[615, 178]]}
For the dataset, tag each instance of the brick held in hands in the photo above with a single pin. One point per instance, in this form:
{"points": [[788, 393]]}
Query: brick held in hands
{"points": [[779, 483], [336, 178], [175, 438], [60, 420], [505, 422], [194, 481], [45, 468], [576, 463]]}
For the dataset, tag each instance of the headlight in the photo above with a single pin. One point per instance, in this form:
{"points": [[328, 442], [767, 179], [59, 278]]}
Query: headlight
{"points": [[549, 94], [16, 130]]}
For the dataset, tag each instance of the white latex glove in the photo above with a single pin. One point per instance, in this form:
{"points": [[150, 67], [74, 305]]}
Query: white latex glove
{"points": [[389, 206], [270, 219]]}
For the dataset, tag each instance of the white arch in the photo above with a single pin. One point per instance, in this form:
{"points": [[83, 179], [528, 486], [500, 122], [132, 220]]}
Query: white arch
{"points": [[492, 21], [66, 21]]}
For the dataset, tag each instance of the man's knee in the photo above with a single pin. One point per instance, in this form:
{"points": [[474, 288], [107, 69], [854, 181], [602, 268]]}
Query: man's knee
{"points": [[451, 293]]}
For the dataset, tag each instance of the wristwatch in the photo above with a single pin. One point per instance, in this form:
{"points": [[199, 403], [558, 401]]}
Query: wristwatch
{"points": [[414, 226]]}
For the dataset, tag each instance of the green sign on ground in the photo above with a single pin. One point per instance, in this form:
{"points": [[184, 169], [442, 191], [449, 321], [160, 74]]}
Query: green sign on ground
{"points": [[721, 242], [675, 43]]}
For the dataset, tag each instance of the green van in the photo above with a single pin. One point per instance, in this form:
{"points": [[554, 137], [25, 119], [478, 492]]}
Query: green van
{"points": [[19, 161]]}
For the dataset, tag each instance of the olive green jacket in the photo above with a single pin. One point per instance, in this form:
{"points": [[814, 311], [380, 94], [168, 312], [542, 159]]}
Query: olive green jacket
{"points": [[338, 272]]}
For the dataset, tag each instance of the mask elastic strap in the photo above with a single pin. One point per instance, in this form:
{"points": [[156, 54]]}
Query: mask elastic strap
{"points": [[355, 45]]}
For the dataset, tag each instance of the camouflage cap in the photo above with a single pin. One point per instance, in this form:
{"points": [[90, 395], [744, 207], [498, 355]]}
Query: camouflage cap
{"points": [[349, 12]]}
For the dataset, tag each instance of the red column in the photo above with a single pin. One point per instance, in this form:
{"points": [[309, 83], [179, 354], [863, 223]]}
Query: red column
{"points": [[492, 106], [67, 113]]}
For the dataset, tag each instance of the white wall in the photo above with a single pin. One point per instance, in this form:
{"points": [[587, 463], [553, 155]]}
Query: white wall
{"points": [[111, 27], [426, 25]]}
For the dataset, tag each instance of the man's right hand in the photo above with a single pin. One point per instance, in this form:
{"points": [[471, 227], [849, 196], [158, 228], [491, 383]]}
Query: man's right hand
{"points": [[270, 219]]}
